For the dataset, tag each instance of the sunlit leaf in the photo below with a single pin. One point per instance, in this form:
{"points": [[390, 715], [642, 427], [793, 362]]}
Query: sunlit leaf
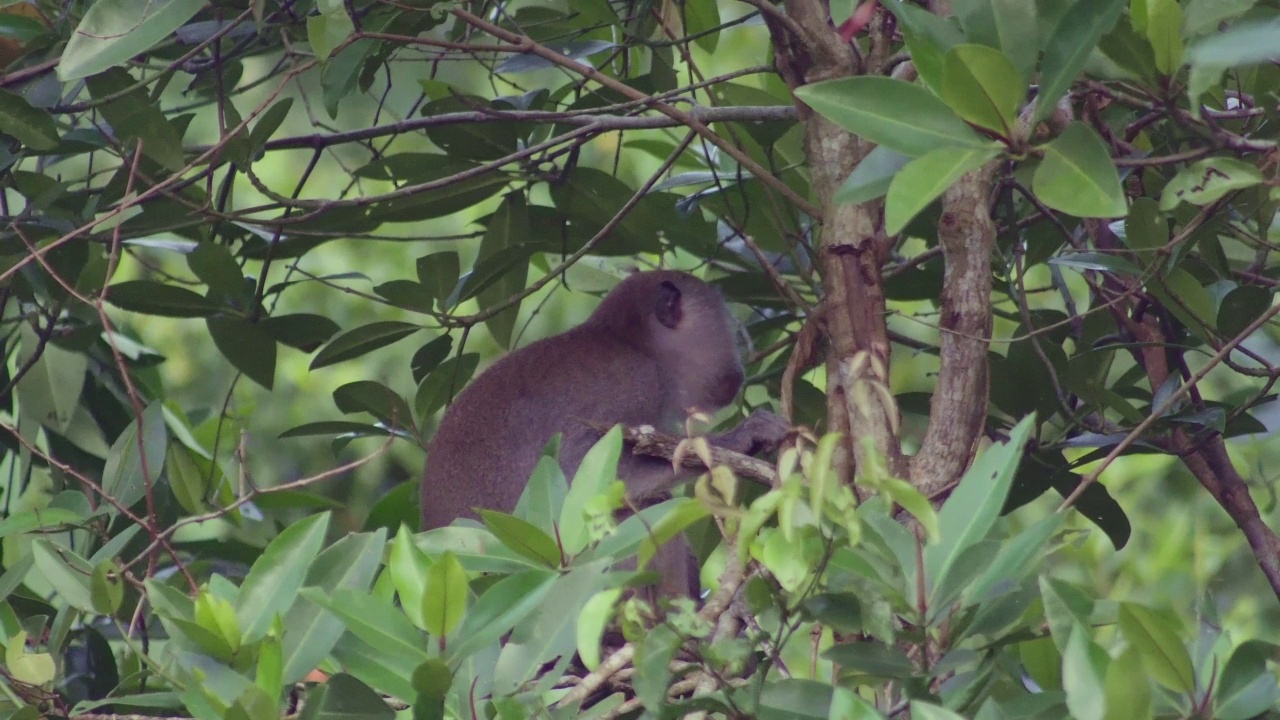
{"points": [[1077, 176], [113, 31], [901, 116], [927, 177]]}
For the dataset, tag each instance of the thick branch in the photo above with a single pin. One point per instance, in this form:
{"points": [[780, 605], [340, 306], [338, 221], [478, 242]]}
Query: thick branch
{"points": [[856, 330], [958, 408], [1207, 460], [647, 441], [808, 49]]}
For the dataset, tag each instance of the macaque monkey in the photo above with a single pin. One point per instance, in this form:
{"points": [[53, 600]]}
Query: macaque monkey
{"points": [[660, 346]]}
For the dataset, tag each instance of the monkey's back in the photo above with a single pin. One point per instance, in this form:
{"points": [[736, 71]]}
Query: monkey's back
{"points": [[490, 438]]}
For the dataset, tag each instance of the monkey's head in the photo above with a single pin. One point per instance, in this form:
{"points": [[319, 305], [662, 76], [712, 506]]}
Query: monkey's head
{"points": [[683, 324]]}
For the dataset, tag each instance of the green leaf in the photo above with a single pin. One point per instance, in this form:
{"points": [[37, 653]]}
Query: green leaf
{"points": [[654, 653], [1164, 30], [503, 606], [32, 126], [304, 331], [589, 199], [327, 30], [406, 294], [50, 391], [522, 537], [268, 123], [702, 21], [376, 399], [926, 711], [1065, 606], [1164, 656], [1084, 666], [154, 298], [443, 383], [246, 346], [1077, 175], [22, 23], [1130, 51], [334, 427], [384, 628], [1205, 16], [903, 117], [1042, 662], [1244, 43], [66, 572], [429, 356], [592, 621], [31, 668], [473, 141], [548, 635], [871, 178], [543, 496], [106, 587], [272, 584], [215, 267], [508, 227], [1013, 560], [310, 632], [1068, 48], [432, 680], [1127, 689], [39, 519], [186, 479], [113, 31], [1098, 261], [1186, 298], [362, 340], [983, 87], [928, 37], [1146, 229], [125, 477], [344, 697], [683, 513], [439, 273], [974, 506], [800, 699], [1205, 181], [598, 469], [408, 566], [444, 602], [1240, 307], [926, 178], [381, 670], [1246, 688], [14, 575], [1015, 22], [872, 658], [132, 114]]}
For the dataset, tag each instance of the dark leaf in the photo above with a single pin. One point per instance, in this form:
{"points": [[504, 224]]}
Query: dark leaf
{"points": [[361, 340], [215, 267], [249, 348], [304, 331], [376, 399], [152, 298]]}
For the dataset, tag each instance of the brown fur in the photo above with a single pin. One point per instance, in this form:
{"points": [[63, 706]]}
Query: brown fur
{"points": [[659, 345]]}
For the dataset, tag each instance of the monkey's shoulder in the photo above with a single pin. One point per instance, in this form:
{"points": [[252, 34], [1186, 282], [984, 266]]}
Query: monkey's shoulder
{"points": [[572, 358]]}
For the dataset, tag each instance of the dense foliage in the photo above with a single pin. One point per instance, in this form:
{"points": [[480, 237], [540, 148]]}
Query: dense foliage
{"points": [[1040, 229]]}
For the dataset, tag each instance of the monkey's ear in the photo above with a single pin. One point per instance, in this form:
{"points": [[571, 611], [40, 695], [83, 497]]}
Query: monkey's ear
{"points": [[667, 306]]}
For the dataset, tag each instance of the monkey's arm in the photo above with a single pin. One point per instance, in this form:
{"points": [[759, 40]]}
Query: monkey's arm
{"points": [[761, 432], [647, 468]]}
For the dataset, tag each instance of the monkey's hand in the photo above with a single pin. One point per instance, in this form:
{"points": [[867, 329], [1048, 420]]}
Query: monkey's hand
{"points": [[761, 432]]}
